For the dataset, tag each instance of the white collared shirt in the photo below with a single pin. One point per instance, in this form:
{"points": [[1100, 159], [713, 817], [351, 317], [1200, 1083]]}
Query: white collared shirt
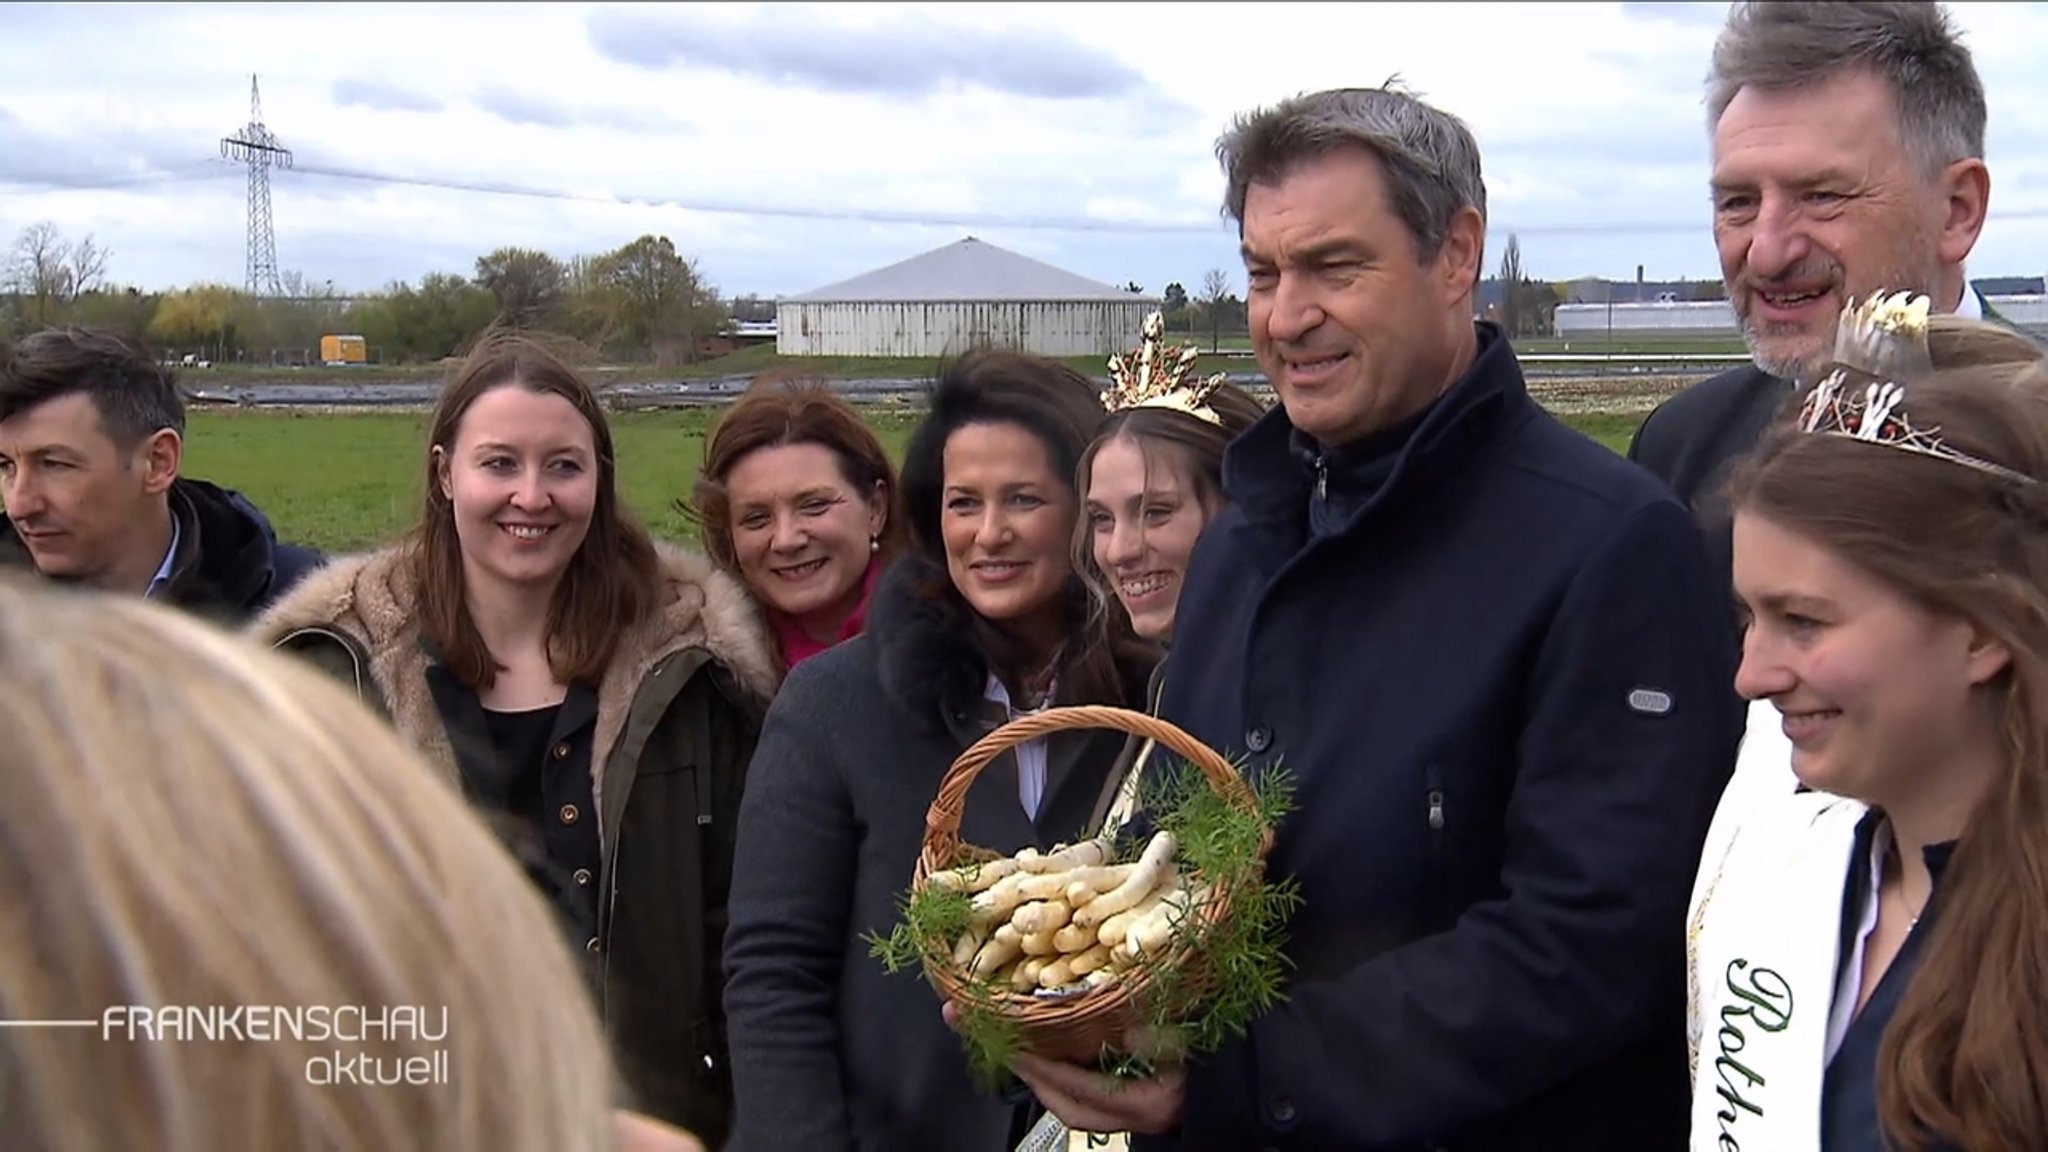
{"points": [[1970, 307], [163, 570], [1849, 984], [1030, 754]]}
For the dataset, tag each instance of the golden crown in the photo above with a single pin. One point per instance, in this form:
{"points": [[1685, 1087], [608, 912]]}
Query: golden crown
{"points": [[1878, 344], [1153, 377]]}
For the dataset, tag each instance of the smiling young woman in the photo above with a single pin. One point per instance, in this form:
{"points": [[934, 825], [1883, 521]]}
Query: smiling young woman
{"points": [[1884, 926], [599, 689], [1152, 479]]}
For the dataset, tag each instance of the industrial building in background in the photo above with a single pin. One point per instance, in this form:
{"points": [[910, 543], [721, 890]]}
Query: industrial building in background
{"points": [[2020, 300], [256, 146], [966, 295]]}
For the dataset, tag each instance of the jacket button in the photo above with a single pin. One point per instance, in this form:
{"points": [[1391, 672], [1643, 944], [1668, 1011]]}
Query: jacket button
{"points": [[1282, 1109], [582, 877], [591, 945], [1258, 738], [561, 751], [569, 814]]}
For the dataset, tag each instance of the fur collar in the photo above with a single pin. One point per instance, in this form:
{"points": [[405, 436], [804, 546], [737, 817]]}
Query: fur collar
{"points": [[925, 655], [368, 599], [926, 658]]}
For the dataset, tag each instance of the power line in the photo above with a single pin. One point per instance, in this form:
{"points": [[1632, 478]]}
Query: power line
{"points": [[777, 211], [177, 174], [856, 214], [976, 219]]}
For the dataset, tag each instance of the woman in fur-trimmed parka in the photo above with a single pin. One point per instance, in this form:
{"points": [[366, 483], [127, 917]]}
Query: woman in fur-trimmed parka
{"points": [[598, 693]]}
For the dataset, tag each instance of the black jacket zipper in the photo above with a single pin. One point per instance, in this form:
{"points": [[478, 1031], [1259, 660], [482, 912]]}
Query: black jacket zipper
{"points": [[1439, 849]]}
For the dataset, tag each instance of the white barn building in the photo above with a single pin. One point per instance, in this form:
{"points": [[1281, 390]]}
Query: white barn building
{"points": [[968, 294], [1706, 318]]}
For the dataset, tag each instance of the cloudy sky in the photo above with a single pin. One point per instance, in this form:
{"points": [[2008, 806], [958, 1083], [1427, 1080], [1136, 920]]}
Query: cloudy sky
{"points": [[789, 146]]}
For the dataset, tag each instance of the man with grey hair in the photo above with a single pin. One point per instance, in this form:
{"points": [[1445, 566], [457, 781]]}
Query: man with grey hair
{"points": [[1488, 654], [1848, 158]]}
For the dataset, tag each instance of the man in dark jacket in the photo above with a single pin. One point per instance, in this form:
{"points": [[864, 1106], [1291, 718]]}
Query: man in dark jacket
{"points": [[1848, 153], [91, 439], [1488, 653]]}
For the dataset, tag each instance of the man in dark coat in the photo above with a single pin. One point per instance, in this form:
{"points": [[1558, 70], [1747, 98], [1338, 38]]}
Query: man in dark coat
{"points": [[1488, 653], [1848, 154], [91, 440]]}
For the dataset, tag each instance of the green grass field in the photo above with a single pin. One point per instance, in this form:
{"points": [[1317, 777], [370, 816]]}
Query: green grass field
{"points": [[342, 482], [761, 358]]}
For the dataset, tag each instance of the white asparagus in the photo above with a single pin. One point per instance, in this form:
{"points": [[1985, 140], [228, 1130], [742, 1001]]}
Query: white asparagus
{"points": [[1057, 974], [1117, 927], [1087, 852], [1042, 916], [1152, 868], [1000, 900], [1085, 884], [1089, 961], [1003, 946], [1043, 885], [973, 877], [1025, 978], [1073, 938], [970, 943], [1154, 931]]}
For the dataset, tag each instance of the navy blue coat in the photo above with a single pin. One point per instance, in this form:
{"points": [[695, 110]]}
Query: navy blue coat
{"points": [[1499, 675], [230, 565]]}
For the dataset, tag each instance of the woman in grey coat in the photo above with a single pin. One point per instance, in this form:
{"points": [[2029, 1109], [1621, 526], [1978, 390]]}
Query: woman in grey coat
{"points": [[982, 620]]}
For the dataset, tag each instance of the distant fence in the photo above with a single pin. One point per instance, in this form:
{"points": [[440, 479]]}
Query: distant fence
{"points": [[1711, 318]]}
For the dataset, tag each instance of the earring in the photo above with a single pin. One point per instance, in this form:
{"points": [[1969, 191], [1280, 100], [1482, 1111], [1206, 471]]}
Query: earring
{"points": [[874, 544]]}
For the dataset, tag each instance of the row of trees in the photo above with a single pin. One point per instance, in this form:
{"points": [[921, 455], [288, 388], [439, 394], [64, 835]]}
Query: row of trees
{"points": [[642, 302]]}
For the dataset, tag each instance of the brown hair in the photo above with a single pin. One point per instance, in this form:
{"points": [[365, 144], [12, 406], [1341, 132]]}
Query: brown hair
{"points": [[1969, 544], [614, 580], [135, 395], [776, 411], [1061, 408], [1195, 447], [1429, 160], [1937, 97]]}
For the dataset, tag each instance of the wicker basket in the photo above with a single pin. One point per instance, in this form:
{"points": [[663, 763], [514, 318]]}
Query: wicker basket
{"points": [[1082, 1027]]}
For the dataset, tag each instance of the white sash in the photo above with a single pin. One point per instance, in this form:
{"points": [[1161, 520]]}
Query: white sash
{"points": [[1765, 939]]}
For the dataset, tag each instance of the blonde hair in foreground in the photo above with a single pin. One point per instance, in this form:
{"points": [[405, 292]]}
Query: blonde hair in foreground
{"points": [[187, 820]]}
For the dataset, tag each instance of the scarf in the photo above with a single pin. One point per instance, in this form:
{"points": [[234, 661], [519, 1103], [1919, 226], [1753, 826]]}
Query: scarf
{"points": [[797, 645], [1764, 946]]}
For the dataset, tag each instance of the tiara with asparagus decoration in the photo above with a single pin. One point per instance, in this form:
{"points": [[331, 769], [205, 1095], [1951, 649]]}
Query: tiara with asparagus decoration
{"points": [[1152, 377], [1878, 344]]}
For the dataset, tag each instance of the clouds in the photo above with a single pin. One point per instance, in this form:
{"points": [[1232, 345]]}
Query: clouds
{"points": [[381, 96], [789, 146], [906, 54]]}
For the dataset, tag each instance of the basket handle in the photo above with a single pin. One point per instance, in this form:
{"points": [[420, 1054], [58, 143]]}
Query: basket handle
{"points": [[942, 820]]}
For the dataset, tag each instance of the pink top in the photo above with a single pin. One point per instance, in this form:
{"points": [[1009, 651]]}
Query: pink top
{"points": [[798, 646]]}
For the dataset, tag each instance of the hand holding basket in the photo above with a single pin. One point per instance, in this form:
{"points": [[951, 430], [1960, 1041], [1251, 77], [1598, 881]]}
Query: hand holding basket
{"points": [[1065, 954]]}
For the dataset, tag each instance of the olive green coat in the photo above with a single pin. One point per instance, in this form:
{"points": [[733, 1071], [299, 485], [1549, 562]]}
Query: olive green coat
{"points": [[678, 713]]}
